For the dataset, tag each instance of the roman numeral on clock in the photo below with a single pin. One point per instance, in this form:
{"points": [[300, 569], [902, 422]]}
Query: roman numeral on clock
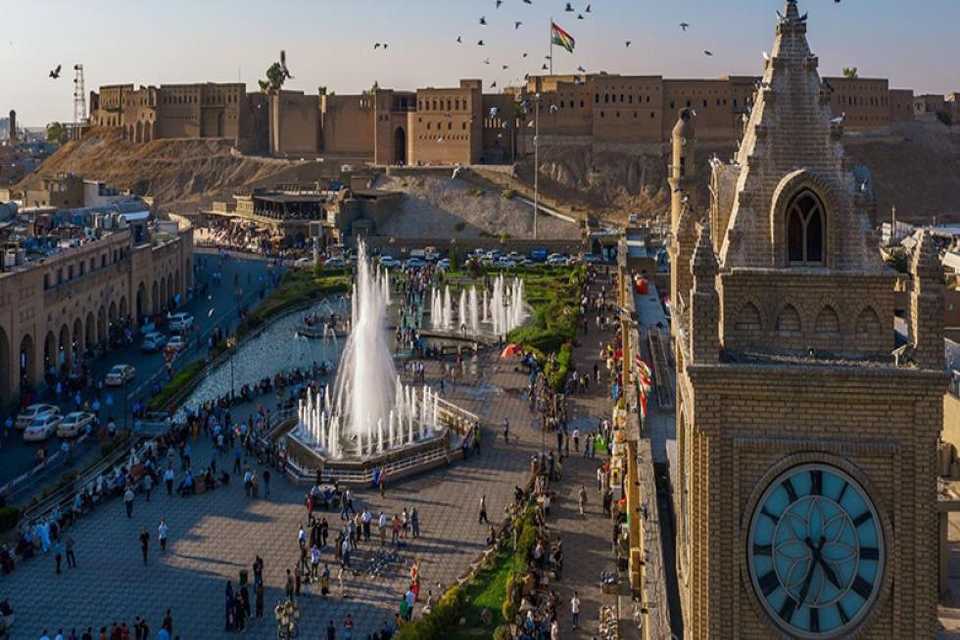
{"points": [[762, 550], [863, 517], [816, 482], [769, 582], [814, 619], [861, 587], [869, 553], [788, 487], [786, 611]]}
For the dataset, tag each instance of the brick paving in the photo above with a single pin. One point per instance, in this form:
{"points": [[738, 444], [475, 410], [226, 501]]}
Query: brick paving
{"points": [[215, 535]]}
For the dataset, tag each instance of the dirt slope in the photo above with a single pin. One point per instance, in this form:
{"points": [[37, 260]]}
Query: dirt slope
{"points": [[175, 172]]}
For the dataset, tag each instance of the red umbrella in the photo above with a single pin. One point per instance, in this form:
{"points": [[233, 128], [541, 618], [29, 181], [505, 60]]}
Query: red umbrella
{"points": [[511, 350]]}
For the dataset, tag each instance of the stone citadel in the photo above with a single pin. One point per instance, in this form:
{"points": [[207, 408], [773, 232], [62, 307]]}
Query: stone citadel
{"points": [[465, 125]]}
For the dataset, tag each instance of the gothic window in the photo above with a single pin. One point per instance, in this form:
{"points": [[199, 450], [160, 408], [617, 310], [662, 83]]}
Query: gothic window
{"points": [[789, 321], [827, 321], [868, 323], [748, 319], [805, 229]]}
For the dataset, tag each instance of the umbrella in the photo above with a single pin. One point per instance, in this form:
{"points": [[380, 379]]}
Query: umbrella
{"points": [[511, 350]]}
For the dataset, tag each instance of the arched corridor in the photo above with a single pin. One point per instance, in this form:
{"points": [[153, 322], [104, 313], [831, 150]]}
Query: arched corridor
{"points": [[63, 347], [76, 341], [155, 298], [102, 325], [90, 335], [27, 357], [141, 301], [400, 146], [49, 352], [6, 368]]}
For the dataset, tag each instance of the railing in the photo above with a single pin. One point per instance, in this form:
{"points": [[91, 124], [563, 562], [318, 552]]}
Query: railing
{"points": [[663, 373]]}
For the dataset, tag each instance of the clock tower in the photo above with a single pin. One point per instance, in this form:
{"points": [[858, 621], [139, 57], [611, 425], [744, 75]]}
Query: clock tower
{"points": [[806, 484]]}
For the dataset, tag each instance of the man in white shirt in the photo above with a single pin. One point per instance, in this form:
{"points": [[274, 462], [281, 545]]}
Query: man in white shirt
{"points": [[162, 535], [575, 609]]}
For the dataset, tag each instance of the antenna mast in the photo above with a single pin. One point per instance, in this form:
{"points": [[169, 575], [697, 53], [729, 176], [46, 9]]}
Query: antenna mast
{"points": [[79, 101]]}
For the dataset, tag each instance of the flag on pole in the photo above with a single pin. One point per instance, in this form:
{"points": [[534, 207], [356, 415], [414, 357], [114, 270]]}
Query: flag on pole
{"points": [[561, 38]]}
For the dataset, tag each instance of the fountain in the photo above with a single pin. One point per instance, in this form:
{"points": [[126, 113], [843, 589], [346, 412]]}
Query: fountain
{"points": [[370, 415]]}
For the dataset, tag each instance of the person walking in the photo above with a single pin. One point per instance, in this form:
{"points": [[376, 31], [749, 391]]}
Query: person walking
{"points": [[575, 609], [331, 631], [147, 485], [71, 557], [483, 510], [258, 591], [289, 585], [266, 483], [582, 498], [57, 554], [168, 479], [128, 500], [382, 526], [162, 530], [415, 522], [144, 544], [576, 441], [506, 430]]}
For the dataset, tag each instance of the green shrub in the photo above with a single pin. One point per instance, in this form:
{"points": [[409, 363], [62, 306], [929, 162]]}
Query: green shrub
{"points": [[508, 194], [9, 517], [502, 633]]}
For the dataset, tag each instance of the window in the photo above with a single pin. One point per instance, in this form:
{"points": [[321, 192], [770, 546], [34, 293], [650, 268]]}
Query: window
{"points": [[805, 227], [606, 98], [46, 281]]}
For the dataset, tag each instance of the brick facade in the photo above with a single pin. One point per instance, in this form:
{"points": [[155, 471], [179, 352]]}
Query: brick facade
{"points": [[785, 356]]}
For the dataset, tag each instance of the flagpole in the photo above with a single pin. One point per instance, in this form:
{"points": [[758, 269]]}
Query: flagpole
{"points": [[550, 31]]}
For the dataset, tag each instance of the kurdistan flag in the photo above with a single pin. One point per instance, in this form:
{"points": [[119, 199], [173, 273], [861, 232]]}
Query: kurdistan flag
{"points": [[561, 38]]}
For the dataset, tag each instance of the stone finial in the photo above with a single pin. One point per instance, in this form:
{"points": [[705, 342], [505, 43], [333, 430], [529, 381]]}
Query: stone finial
{"points": [[703, 265], [926, 258], [685, 128], [791, 11]]}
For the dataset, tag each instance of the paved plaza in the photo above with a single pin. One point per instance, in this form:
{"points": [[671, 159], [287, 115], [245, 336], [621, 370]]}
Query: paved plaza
{"points": [[215, 535]]}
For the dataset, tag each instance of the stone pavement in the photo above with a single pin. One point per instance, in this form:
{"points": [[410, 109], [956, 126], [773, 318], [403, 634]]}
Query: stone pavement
{"points": [[215, 535]]}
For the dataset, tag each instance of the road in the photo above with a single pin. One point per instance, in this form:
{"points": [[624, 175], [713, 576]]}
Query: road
{"points": [[218, 308]]}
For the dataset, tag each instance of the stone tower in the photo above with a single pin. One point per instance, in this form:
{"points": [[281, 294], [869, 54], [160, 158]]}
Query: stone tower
{"points": [[13, 127], [805, 486], [683, 185]]}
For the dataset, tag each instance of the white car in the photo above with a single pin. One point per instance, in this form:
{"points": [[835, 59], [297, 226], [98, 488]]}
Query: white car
{"points": [[443, 264], [176, 344], [556, 259], [180, 321], [119, 375], [335, 263], [74, 423], [153, 342], [42, 427], [304, 263], [389, 262], [504, 263], [28, 415]]}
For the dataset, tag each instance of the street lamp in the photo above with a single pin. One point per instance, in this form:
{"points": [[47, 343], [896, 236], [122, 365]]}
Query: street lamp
{"points": [[231, 347]]}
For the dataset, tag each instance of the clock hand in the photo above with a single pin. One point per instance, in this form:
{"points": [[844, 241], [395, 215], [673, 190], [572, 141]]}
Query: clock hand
{"points": [[809, 577], [827, 570]]}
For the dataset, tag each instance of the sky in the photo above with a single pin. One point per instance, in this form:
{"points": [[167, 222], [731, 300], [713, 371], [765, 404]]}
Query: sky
{"points": [[331, 42]]}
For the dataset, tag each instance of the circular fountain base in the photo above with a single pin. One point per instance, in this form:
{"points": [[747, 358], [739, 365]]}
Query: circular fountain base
{"points": [[304, 460]]}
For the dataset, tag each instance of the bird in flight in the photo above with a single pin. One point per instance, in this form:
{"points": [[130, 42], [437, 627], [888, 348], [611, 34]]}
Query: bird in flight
{"points": [[385, 45], [569, 8], [581, 69], [684, 25], [504, 67], [707, 53], [587, 10], [486, 61], [459, 39], [579, 16], [480, 43], [376, 45], [483, 20], [499, 2], [524, 54], [493, 84], [544, 67], [516, 25], [628, 42], [528, 1], [56, 72]]}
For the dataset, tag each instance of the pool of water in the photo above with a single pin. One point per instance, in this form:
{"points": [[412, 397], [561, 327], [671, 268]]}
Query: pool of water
{"points": [[277, 349]]}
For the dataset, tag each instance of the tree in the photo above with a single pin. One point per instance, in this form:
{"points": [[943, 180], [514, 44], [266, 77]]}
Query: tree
{"points": [[850, 72], [275, 79], [56, 133]]}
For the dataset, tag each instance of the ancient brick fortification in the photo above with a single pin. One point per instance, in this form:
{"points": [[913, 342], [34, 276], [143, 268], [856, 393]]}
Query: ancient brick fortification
{"points": [[783, 316]]}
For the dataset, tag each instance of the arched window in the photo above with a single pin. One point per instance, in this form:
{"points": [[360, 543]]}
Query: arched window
{"points": [[805, 228]]}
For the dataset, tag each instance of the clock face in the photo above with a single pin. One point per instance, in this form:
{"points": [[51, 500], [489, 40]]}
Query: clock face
{"points": [[815, 552]]}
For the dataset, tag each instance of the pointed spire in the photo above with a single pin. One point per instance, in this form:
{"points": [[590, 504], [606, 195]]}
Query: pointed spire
{"points": [[791, 11], [926, 258], [704, 263]]}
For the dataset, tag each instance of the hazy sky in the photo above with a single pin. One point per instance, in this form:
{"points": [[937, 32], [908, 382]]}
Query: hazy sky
{"points": [[331, 42]]}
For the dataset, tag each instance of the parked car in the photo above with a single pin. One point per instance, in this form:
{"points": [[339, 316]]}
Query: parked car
{"points": [[538, 255], [27, 416], [555, 259], [415, 263], [303, 263], [119, 375], [592, 258], [176, 344], [180, 322], [153, 342], [504, 263], [74, 423], [431, 254], [42, 427], [443, 264], [335, 263], [389, 262]]}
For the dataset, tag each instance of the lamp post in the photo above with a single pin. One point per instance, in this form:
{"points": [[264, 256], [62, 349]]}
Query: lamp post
{"points": [[231, 347], [536, 163]]}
